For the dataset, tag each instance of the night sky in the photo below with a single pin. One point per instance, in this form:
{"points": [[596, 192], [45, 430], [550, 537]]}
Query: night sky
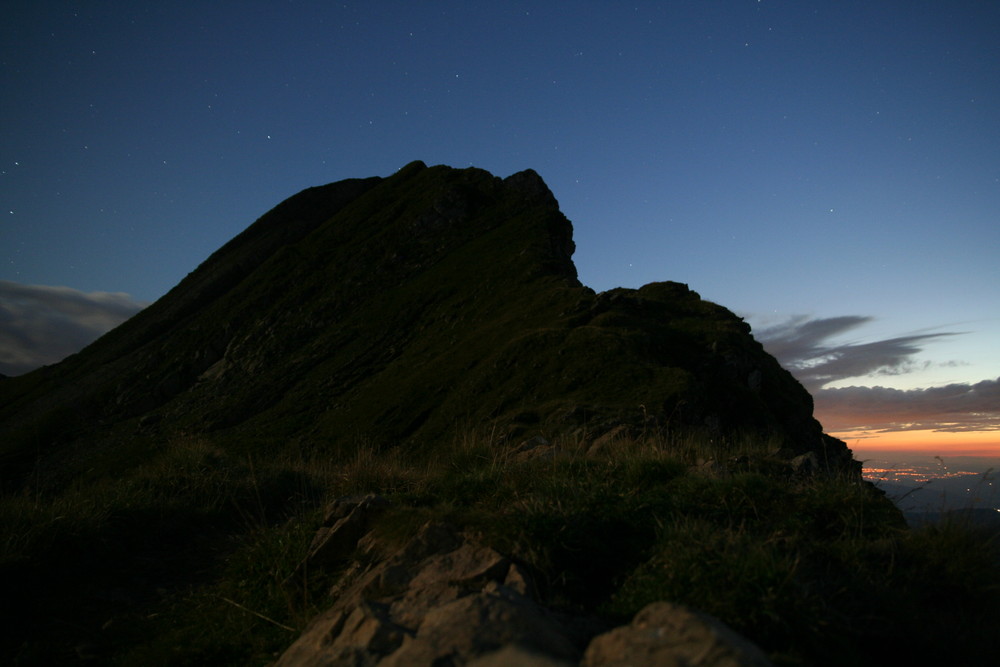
{"points": [[828, 170]]}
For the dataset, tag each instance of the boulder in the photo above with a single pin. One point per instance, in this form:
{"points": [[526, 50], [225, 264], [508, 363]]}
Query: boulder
{"points": [[477, 624], [441, 598], [665, 634]]}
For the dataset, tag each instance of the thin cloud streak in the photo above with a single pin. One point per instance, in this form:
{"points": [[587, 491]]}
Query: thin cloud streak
{"points": [[954, 408], [41, 324], [802, 345]]}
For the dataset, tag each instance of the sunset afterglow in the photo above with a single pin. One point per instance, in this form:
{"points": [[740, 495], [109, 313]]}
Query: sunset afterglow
{"points": [[976, 443]]}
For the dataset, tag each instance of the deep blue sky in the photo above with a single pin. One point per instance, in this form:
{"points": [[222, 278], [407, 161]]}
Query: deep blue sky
{"points": [[830, 170]]}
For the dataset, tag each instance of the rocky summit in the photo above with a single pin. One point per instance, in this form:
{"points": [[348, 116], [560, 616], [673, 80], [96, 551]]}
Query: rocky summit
{"points": [[398, 310]]}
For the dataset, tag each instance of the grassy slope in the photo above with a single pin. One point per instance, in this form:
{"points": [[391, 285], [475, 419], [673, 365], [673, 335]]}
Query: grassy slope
{"points": [[398, 308], [184, 559], [132, 369]]}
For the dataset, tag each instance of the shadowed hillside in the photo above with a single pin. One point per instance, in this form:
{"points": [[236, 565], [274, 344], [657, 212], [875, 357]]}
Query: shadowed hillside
{"points": [[398, 310], [387, 425]]}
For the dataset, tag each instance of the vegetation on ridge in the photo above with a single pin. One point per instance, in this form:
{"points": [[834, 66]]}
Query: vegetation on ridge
{"points": [[396, 308], [189, 558]]}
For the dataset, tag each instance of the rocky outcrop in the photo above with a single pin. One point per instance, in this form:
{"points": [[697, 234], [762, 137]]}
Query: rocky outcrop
{"points": [[442, 596], [346, 521], [668, 634], [446, 598]]}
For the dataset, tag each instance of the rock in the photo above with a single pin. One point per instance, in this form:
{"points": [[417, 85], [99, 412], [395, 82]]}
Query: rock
{"points": [[518, 580], [434, 537], [531, 184], [359, 636], [465, 566], [527, 445], [481, 623], [536, 448], [347, 520], [604, 442], [443, 598], [513, 655], [446, 577], [665, 634], [804, 464]]}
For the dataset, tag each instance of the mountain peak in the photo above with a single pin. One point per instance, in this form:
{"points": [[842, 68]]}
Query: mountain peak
{"points": [[398, 310], [531, 184]]}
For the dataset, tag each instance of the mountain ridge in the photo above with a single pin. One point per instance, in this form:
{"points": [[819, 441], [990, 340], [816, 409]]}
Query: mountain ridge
{"points": [[388, 419], [394, 309]]}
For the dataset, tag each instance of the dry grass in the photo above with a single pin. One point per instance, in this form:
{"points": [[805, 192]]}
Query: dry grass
{"points": [[818, 570]]}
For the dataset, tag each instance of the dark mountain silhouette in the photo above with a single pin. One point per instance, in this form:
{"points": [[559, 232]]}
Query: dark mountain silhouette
{"points": [[399, 310], [387, 424]]}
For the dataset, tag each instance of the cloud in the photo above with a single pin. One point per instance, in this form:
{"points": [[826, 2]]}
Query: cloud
{"points": [[42, 324], [953, 408], [804, 347]]}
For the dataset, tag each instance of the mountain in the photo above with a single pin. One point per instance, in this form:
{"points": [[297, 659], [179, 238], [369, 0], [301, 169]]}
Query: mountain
{"points": [[386, 424], [396, 310]]}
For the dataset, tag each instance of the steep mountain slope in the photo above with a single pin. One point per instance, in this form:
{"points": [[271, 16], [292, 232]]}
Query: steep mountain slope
{"points": [[399, 311]]}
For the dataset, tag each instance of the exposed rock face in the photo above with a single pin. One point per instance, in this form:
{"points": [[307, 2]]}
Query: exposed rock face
{"points": [[445, 599], [345, 522], [400, 310], [441, 597]]}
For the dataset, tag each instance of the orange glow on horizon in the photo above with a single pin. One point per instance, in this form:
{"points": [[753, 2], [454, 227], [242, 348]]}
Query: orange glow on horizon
{"points": [[974, 443]]}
